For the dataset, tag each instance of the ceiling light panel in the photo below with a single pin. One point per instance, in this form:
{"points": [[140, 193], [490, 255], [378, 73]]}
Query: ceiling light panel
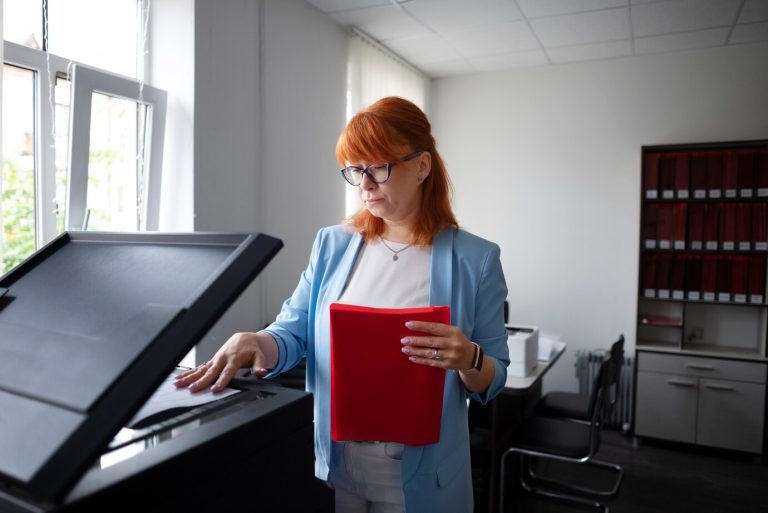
{"points": [[445, 16], [682, 15], [493, 40], [584, 28], [541, 8], [681, 41]]}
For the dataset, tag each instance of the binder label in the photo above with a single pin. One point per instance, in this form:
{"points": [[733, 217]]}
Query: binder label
{"points": [[699, 194], [682, 193], [694, 295], [746, 193], [696, 244], [744, 245], [664, 244], [723, 296], [709, 296], [761, 246], [678, 294], [711, 245], [650, 243], [668, 194], [756, 298], [740, 298], [729, 245], [651, 194], [649, 293], [664, 293], [730, 193], [679, 244], [762, 192], [714, 193]]}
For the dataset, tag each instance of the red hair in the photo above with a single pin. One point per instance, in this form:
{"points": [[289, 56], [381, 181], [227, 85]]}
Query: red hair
{"points": [[384, 132]]}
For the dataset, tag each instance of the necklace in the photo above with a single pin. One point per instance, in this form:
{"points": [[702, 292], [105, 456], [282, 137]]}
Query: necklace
{"points": [[394, 252]]}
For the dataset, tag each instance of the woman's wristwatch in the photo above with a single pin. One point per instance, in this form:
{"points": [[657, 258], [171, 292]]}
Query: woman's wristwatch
{"points": [[477, 361]]}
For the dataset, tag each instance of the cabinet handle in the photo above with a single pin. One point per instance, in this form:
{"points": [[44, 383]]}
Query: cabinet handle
{"points": [[726, 388], [681, 382], [699, 366]]}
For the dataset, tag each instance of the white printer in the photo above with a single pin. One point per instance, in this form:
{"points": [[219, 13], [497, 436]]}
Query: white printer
{"points": [[523, 342]]}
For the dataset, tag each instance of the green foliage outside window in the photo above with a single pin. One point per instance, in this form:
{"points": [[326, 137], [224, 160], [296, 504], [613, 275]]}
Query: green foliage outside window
{"points": [[18, 215]]}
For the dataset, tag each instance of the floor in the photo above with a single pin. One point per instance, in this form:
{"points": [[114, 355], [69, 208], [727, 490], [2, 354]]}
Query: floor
{"points": [[665, 478]]}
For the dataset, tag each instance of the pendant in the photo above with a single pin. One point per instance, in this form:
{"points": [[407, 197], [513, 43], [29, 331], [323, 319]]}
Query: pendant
{"points": [[394, 258]]}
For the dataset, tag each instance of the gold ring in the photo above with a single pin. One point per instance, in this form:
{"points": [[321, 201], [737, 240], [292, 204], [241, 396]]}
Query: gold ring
{"points": [[434, 354]]}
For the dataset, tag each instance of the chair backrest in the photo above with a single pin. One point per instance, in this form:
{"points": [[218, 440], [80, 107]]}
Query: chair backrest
{"points": [[617, 355], [599, 401]]}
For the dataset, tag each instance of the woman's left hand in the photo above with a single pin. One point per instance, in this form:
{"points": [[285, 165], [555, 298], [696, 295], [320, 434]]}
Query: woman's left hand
{"points": [[445, 346]]}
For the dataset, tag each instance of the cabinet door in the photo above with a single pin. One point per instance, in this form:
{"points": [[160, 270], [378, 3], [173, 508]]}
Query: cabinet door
{"points": [[666, 406], [731, 415]]}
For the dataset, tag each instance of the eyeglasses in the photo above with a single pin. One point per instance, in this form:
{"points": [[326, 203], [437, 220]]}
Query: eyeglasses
{"points": [[378, 173]]}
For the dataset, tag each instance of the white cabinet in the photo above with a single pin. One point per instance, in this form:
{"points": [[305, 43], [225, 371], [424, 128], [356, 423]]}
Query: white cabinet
{"points": [[706, 401]]}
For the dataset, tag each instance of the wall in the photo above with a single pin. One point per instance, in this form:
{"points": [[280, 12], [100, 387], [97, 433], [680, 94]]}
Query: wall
{"points": [[546, 162], [263, 143]]}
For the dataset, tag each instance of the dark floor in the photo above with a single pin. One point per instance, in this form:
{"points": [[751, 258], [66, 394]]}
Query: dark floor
{"points": [[667, 478]]}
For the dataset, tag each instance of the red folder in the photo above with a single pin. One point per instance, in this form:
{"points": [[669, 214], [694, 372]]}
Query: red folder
{"points": [[663, 270], [745, 173], [650, 226], [728, 226], [699, 175], [724, 278], [714, 174], [693, 271], [756, 284], [696, 213], [711, 226], [377, 393], [651, 175], [665, 226], [678, 277], [759, 227], [743, 226], [709, 278], [730, 180], [739, 281], [649, 275], [678, 226], [761, 172], [682, 174], [667, 170]]}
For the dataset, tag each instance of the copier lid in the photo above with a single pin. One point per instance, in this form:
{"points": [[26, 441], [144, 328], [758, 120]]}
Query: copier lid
{"points": [[90, 325]]}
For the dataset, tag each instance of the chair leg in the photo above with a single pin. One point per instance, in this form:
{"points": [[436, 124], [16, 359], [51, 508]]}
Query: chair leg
{"points": [[581, 489]]}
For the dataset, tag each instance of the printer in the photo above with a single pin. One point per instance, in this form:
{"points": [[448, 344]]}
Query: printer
{"points": [[523, 343], [91, 326]]}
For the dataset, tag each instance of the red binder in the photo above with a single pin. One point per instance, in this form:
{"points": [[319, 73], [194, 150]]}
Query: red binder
{"points": [[665, 226], [761, 172], [709, 278], [756, 285], [699, 175], [678, 226], [728, 226], [739, 279], [678, 277], [743, 226], [711, 226], [696, 213], [650, 226], [724, 278], [730, 180], [377, 393], [667, 171], [714, 174], [693, 271], [663, 270], [649, 275], [745, 173], [683, 174], [651, 175], [759, 227]]}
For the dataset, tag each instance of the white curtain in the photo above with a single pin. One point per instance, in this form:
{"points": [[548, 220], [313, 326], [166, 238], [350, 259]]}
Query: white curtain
{"points": [[375, 73]]}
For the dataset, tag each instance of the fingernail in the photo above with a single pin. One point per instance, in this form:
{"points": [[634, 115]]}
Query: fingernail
{"points": [[412, 358], [405, 340], [406, 349], [409, 324]]}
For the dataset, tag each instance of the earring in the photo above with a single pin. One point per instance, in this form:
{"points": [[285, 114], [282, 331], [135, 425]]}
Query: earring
{"points": [[420, 179]]}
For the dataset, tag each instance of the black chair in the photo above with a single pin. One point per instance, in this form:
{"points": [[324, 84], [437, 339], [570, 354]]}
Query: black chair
{"points": [[541, 438], [575, 406]]}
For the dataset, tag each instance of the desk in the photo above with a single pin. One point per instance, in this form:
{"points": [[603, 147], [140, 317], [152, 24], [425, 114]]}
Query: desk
{"points": [[490, 426]]}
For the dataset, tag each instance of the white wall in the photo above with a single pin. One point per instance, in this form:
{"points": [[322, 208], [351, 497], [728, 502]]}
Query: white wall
{"points": [[546, 162], [269, 93]]}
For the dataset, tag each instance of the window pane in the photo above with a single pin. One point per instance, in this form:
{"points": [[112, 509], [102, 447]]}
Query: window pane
{"points": [[61, 144], [102, 34], [23, 22], [17, 181], [112, 166]]}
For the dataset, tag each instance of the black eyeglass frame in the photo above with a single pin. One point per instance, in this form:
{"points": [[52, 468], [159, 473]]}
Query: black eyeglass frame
{"points": [[364, 171]]}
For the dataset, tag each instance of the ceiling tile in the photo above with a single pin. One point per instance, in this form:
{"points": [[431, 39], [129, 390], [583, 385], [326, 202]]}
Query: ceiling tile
{"points": [[682, 41], [592, 51], [447, 16], [511, 61], [575, 29], [681, 16], [750, 33], [493, 40], [754, 10], [539, 8], [342, 5], [422, 50], [382, 23], [448, 69]]}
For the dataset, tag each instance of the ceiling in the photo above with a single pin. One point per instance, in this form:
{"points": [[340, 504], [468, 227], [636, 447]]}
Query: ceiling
{"points": [[456, 37]]}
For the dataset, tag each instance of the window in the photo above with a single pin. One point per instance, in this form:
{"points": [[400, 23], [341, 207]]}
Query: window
{"points": [[373, 73], [106, 174]]}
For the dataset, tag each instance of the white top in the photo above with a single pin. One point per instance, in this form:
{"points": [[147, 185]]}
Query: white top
{"points": [[381, 282]]}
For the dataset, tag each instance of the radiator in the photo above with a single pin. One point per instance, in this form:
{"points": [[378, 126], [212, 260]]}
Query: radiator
{"points": [[587, 365]]}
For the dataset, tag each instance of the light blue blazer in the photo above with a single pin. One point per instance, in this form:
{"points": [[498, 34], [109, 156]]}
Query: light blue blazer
{"points": [[466, 274]]}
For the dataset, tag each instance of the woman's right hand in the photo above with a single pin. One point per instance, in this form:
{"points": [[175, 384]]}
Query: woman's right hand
{"points": [[242, 350]]}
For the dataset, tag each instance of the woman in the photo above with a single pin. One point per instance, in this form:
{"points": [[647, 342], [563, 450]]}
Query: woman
{"points": [[402, 249]]}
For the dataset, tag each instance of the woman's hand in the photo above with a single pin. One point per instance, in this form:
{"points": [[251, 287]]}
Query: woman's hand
{"points": [[445, 346], [240, 351]]}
